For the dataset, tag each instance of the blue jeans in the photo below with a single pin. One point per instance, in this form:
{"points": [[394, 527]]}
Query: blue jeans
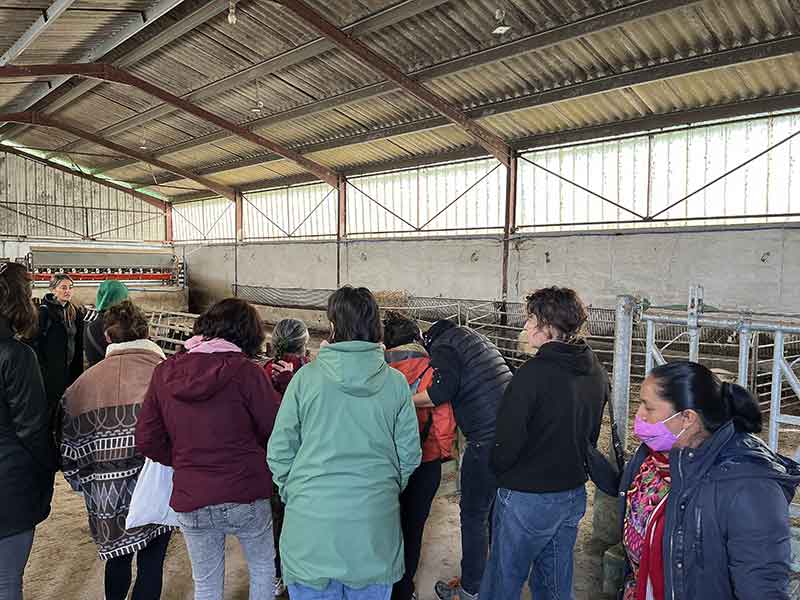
{"points": [[339, 591], [533, 536], [14, 552], [204, 532], [477, 493]]}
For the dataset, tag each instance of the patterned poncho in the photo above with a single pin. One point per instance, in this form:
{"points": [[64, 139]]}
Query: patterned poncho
{"points": [[99, 448]]}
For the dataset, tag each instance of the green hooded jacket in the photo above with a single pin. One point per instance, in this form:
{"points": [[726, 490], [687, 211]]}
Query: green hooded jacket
{"points": [[344, 445]]}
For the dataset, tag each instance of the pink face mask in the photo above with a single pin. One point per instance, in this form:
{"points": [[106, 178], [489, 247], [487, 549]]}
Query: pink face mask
{"points": [[656, 436]]}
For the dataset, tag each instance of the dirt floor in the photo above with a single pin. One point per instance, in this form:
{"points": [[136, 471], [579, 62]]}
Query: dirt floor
{"points": [[64, 563]]}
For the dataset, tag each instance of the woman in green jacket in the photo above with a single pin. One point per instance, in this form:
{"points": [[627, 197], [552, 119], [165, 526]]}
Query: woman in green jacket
{"points": [[345, 443]]}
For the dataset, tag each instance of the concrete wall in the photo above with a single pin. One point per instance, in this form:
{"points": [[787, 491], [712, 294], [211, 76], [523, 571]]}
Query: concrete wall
{"points": [[467, 268], [756, 268]]}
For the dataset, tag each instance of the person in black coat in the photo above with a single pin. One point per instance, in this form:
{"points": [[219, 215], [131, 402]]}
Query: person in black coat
{"points": [[551, 411], [705, 502], [59, 343], [109, 293], [27, 455], [471, 374]]}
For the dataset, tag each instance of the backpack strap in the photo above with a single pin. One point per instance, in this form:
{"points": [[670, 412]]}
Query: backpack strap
{"points": [[426, 429]]}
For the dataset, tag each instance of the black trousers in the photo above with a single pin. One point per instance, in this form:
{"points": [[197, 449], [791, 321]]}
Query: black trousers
{"points": [[415, 506], [149, 570]]}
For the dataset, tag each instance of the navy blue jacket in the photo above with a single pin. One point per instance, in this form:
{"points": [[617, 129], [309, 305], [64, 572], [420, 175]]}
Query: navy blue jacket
{"points": [[471, 374], [726, 534]]}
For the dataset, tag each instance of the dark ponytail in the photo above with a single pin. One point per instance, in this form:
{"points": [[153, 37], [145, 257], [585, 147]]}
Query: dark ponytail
{"points": [[742, 407], [691, 386]]}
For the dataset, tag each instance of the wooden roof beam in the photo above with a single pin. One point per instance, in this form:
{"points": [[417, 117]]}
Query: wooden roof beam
{"points": [[493, 143], [34, 118], [105, 72]]}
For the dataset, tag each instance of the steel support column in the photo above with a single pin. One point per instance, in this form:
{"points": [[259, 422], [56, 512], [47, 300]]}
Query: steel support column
{"points": [[510, 220], [169, 227], [239, 217], [623, 341], [341, 226]]}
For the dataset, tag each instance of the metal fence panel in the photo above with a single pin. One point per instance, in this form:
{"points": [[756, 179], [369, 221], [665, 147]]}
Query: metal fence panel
{"points": [[41, 202], [298, 212], [204, 220]]}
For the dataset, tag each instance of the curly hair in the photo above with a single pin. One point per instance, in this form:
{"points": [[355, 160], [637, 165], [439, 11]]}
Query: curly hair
{"points": [[16, 305], [559, 308], [399, 329], [125, 322], [234, 320]]}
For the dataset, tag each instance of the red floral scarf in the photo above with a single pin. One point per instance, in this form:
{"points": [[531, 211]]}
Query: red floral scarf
{"points": [[644, 528]]}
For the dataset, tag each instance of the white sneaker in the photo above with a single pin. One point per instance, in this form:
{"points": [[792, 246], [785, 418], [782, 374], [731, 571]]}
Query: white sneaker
{"points": [[280, 587]]}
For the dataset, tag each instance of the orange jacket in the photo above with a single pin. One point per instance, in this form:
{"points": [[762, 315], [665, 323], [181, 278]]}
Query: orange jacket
{"points": [[437, 425]]}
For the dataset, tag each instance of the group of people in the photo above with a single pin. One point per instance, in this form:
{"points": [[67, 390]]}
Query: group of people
{"points": [[325, 470]]}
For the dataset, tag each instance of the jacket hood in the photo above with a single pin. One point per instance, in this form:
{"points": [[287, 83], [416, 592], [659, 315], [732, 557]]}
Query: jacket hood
{"points": [[358, 368], [404, 351], [196, 377], [410, 359], [136, 346], [576, 358], [743, 455], [50, 298]]}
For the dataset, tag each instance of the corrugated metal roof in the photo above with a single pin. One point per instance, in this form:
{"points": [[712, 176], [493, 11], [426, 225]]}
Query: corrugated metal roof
{"points": [[452, 29]]}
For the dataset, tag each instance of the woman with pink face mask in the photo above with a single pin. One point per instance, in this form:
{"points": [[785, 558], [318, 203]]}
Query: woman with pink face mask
{"points": [[705, 501]]}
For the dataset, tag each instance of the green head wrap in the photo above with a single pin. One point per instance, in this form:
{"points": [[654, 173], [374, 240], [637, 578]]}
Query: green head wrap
{"points": [[109, 293]]}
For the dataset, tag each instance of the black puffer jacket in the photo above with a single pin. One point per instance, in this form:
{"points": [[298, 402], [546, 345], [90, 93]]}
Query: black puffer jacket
{"points": [[726, 534], [59, 347], [472, 375], [27, 456]]}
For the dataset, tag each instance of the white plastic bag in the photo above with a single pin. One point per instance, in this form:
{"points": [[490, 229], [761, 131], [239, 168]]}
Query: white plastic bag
{"points": [[150, 501]]}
